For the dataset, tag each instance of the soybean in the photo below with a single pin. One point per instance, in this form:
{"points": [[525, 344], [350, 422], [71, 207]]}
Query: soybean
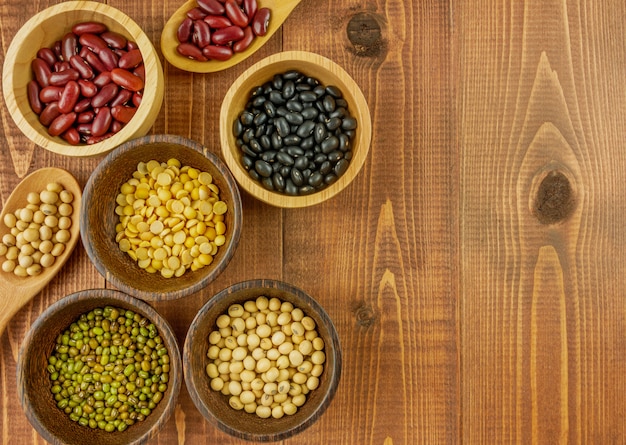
{"points": [[265, 356], [295, 134]]}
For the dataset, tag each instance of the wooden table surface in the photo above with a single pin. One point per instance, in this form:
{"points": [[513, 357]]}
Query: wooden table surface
{"points": [[475, 269]]}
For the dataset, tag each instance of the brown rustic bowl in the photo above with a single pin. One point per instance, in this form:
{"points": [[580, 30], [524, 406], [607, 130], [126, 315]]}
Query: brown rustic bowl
{"points": [[98, 218], [33, 379], [328, 73], [48, 26], [215, 407]]}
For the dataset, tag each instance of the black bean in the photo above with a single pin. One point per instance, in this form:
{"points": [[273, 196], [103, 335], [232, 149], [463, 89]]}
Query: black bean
{"points": [[269, 155], [282, 126], [341, 166], [277, 140], [310, 113], [325, 168], [290, 188], [254, 175], [255, 146], [334, 91], [329, 144], [305, 129], [300, 163], [247, 162], [266, 142], [260, 131], [329, 103], [307, 143], [320, 158], [303, 87], [333, 123], [292, 75], [268, 183], [294, 105], [294, 118], [330, 178], [263, 168], [349, 133], [335, 156], [288, 90], [258, 101], [277, 81], [295, 151], [292, 139], [278, 181], [246, 118], [285, 171], [276, 97], [320, 132], [307, 96], [270, 108], [348, 123], [344, 142], [306, 190], [282, 111], [284, 158], [319, 90], [276, 166], [260, 119], [296, 177], [237, 128], [248, 151], [247, 135], [312, 81], [339, 112], [306, 173], [342, 103], [316, 179]]}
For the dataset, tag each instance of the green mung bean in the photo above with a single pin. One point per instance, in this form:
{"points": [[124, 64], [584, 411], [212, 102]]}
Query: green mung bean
{"points": [[109, 369]]}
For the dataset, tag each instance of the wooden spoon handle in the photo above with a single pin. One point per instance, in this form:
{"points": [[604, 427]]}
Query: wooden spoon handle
{"points": [[10, 302]]}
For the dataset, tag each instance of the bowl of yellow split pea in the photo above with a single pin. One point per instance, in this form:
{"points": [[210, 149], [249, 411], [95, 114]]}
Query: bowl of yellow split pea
{"points": [[161, 217]]}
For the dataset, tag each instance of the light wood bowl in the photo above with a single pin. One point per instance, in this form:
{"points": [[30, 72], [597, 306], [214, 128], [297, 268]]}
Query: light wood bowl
{"points": [[48, 26], [214, 405], [328, 73], [33, 379], [98, 218]]}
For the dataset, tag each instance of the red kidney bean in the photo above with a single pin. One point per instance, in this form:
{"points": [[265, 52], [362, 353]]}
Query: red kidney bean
{"points": [[47, 55], [56, 49], [108, 58], [41, 71], [101, 122], [227, 35], [50, 94], [84, 129], [102, 79], [140, 72], [72, 136], [122, 113], [217, 52], [60, 78], [126, 79], [96, 139], [218, 21], [137, 98], [132, 45], [49, 113], [131, 59], [85, 117], [185, 30], [191, 51], [69, 97], [250, 7], [261, 21], [235, 14], [89, 28], [33, 89], [116, 126], [61, 66], [87, 88], [105, 95], [61, 124], [93, 42], [93, 60], [114, 40], [83, 68], [196, 14], [69, 46], [82, 105], [211, 6], [201, 33], [123, 96], [244, 43]]}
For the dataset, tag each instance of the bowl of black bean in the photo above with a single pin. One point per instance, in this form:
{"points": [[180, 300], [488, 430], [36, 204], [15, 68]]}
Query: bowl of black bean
{"points": [[99, 366], [295, 129]]}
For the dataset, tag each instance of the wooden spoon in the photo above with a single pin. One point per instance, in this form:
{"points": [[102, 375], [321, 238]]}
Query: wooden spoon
{"points": [[281, 9], [16, 291]]}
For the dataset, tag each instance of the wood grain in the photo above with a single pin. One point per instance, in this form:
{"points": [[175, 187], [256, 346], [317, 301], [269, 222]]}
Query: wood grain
{"points": [[474, 268]]}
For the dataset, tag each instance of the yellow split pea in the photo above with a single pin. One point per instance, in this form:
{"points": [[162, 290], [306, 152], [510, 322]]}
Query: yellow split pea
{"points": [[171, 218]]}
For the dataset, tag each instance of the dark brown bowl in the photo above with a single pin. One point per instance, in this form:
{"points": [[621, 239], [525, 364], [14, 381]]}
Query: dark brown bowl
{"points": [[98, 218], [215, 407], [34, 382]]}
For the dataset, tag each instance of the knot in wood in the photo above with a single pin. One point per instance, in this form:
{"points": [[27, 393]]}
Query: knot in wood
{"points": [[364, 33], [364, 316], [554, 200]]}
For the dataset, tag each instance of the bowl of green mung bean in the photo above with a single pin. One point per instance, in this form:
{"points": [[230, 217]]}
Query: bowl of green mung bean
{"points": [[262, 360], [102, 365], [161, 217]]}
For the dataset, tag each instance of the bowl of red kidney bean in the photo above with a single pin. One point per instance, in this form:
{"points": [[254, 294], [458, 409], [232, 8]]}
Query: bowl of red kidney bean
{"points": [[295, 129], [205, 36], [81, 78]]}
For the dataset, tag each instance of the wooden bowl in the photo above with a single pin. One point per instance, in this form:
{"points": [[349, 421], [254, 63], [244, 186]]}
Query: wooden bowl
{"points": [[50, 25], [33, 379], [98, 218], [328, 73], [215, 407]]}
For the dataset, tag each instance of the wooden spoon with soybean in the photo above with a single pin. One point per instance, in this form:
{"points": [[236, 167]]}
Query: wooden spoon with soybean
{"points": [[280, 10], [16, 291]]}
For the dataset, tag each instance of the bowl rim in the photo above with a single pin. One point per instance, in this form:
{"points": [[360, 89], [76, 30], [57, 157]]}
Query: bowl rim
{"points": [[357, 162], [145, 111], [97, 294], [334, 347], [235, 206]]}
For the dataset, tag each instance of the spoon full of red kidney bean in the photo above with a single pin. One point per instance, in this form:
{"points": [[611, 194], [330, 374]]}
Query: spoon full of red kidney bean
{"points": [[210, 35], [88, 85]]}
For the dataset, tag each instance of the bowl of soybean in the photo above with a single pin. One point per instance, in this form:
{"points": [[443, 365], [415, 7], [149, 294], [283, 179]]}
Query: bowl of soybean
{"points": [[97, 403], [295, 129], [282, 357], [161, 217]]}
